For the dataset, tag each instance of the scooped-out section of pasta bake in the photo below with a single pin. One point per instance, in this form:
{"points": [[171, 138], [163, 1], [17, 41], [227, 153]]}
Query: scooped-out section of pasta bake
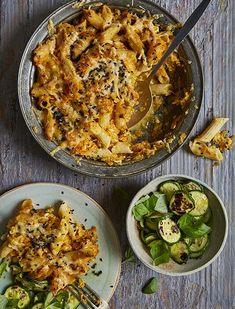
{"points": [[48, 245], [87, 71]]}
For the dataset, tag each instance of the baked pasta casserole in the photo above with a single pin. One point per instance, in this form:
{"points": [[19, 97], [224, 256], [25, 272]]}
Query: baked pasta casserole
{"points": [[87, 71], [47, 245]]}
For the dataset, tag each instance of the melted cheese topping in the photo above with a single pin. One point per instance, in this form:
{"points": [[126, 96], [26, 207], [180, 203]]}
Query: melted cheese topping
{"points": [[48, 245], [86, 77]]}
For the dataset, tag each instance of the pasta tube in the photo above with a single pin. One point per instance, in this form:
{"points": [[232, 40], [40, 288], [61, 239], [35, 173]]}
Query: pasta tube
{"points": [[202, 150], [209, 133]]}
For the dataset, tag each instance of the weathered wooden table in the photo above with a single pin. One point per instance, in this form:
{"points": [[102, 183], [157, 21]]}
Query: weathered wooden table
{"points": [[23, 161]]}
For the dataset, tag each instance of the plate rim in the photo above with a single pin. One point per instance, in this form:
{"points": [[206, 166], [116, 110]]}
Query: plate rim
{"points": [[96, 204]]}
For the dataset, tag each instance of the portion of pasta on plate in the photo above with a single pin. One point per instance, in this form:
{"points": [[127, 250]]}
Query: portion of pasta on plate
{"points": [[86, 76], [49, 245]]}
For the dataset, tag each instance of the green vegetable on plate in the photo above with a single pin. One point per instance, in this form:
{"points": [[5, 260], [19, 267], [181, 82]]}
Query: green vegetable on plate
{"points": [[3, 267], [20, 295]]}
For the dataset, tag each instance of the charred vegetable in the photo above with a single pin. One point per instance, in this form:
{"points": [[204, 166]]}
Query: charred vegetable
{"points": [[168, 188], [180, 252], [181, 203], [200, 201], [169, 231]]}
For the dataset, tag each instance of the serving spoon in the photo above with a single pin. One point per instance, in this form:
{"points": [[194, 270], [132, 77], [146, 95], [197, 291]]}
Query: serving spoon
{"points": [[143, 87]]}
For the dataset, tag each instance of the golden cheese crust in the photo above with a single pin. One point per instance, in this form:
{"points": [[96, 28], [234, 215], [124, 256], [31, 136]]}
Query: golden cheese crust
{"points": [[48, 245], [86, 77]]}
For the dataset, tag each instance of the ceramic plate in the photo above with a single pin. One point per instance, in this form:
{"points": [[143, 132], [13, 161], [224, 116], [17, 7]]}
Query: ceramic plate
{"points": [[87, 212]]}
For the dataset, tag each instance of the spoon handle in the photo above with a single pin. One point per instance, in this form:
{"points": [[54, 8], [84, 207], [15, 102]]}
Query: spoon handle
{"points": [[182, 33]]}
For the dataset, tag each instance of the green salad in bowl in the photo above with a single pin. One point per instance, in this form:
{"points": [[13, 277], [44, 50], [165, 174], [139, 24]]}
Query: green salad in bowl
{"points": [[173, 221], [176, 225]]}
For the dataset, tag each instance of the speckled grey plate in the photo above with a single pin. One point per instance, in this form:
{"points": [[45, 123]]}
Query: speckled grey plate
{"points": [[95, 168], [87, 212]]}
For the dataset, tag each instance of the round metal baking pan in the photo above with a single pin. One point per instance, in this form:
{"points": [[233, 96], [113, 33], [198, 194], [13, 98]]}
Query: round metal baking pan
{"points": [[26, 78]]}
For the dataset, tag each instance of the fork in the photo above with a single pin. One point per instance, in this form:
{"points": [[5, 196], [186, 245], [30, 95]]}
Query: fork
{"points": [[88, 297]]}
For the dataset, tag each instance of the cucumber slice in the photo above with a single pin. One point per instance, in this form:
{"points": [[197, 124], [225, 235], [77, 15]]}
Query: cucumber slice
{"points": [[168, 188], [196, 255], [188, 241], [149, 238], [38, 306], [18, 293], [207, 215], [181, 203], [142, 235], [157, 216], [191, 186], [169, 231], [179, 252], [200, 201], [198, 244], [152, 224], [146, 237]]}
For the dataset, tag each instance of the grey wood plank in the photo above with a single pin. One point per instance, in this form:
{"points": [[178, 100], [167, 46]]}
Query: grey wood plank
{"points": [[23, 161]]}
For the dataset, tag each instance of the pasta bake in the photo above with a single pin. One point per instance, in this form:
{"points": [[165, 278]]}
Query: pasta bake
{"points": [[49, 246], [87, 71]]}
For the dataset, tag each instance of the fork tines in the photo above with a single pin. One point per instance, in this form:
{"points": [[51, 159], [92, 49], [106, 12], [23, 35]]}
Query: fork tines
{"points": [[87, 296]]}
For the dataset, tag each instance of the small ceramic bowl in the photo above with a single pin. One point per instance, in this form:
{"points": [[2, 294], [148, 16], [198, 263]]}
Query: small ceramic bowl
{"points": [[218, 223]]}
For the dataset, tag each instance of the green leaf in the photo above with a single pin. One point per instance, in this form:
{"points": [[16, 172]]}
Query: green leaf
{"points": [[148, 204], [139, 211], [143, 199], [193, 227], [161, 203], [48, 299], [129, 256], [40, 297], [3, 267], [62, 297], [150, 287], [57, 302], [159, 252], [34, 285], [151, 203], [163, 258]]}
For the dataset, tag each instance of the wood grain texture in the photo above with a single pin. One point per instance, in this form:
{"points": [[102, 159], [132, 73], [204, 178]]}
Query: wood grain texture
{"points": [[23, 161]]}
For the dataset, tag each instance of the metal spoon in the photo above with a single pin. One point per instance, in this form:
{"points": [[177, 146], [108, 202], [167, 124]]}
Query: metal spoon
{"points": [[143, 87]]}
